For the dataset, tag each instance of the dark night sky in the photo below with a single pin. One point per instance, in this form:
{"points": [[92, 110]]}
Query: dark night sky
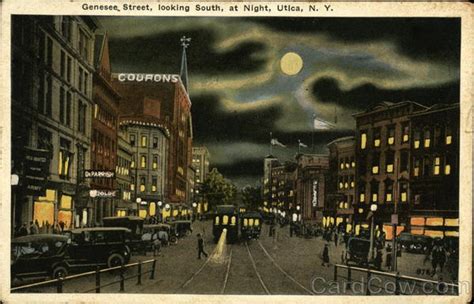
{"points": [[240, 94]]}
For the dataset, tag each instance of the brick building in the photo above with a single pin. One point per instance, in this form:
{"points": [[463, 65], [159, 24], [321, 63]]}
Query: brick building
{"points": [[104, 128], [434, 174], [340, 183], [159, 102]]}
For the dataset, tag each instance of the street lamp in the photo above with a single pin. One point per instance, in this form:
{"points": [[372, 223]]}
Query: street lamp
{"points": [[138, 200], [373, 208], [160, 203]]}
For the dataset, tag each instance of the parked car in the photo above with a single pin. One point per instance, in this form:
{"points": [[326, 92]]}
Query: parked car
{"points": [[358, 251], [103, 246], [420, 244], [405, 239], [39, 255], [134, 238]]}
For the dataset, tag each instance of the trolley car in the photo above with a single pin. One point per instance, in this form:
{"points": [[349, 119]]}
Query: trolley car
{"points": [[250, 225], [226, 217]]}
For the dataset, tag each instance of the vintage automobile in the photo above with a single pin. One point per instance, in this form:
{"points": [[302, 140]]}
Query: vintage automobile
{"points": [[181, 227], [405, 239], [101, 246], [39, 255], [163, 231], [135, 225], [226, 217], [251, 225], [420, 244], [357, 251]]}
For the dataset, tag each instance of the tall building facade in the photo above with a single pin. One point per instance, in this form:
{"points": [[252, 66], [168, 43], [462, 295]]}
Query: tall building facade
{"points": [[310, 186], [434, 174], [104, 128], [52, 68], [340, 183], [269, 162], [161, 109], [282, 191], [123, 175], [200, 162]]}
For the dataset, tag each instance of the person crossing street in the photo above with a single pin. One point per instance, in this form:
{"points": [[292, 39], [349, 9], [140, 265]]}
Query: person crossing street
{"points": [[201, 246]]}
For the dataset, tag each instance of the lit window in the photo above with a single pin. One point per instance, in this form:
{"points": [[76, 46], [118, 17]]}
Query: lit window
{"points": [[388, 197], [391, 136], [403, 197], [352, 184], [153, 188], [362, 197], [245, 222], [363, 140], [346, 185], [405, 133], [144, 141], [225, 220], [375, 170], [377, 142], [132, 187], [449, 135], [132, 163], [342, 164], [340, 185], [142, 188], [389, 168], [143, 161], [377, 137], [427, 139], [416, 142], [155, 162], [447, 169], [216, 222], [437, 164], [353, 164], [374, 197], [416, 167], [233, 221]]}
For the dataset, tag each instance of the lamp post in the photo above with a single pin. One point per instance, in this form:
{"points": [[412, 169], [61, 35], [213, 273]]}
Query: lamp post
{"points": [[167, 208], [373, 208], [194, 210], [160, 203], [138, 200], [298, 209]]}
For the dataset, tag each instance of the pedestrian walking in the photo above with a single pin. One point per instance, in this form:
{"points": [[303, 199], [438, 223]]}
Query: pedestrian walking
{"points": [[34, 229], [23, 231], [388, 258], [325, 255], [378, 260], [201, 246]]}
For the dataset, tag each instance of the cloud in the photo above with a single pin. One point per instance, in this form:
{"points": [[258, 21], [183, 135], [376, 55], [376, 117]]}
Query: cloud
{"points": [[327, 90]]}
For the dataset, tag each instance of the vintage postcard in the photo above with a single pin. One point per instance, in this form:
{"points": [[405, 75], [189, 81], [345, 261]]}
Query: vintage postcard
{"points": [[235, 152]]}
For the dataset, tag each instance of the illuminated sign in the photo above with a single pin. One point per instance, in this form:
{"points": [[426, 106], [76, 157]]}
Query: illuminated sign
{"points": [[133, 77], [315, 193], [99, 173], [102, 193]]}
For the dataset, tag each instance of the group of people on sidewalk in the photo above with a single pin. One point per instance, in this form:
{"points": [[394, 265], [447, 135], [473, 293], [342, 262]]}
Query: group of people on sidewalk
{"points": [[34, 228]]}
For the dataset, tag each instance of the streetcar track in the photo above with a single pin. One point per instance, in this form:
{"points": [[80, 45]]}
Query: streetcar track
{"points": [[195, 273], [262, 283], [227, 272], [283, 271]]}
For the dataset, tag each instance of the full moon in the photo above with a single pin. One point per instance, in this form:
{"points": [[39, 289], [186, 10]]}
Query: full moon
{"points": [[291, 63]]}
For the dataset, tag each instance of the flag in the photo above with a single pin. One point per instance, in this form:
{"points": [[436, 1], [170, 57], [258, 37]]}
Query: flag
{"points": [[275, 142], [302, 144], [320, 124]]}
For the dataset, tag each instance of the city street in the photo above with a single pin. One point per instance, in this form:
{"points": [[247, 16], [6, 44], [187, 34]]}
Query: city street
{"points": [[269, 266]]}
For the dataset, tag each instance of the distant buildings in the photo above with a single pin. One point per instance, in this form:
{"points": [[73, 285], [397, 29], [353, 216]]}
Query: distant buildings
{"points": [[404, 158]]}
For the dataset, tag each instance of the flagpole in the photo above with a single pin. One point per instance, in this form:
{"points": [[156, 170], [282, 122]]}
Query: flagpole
{"points": [[312, 134], [299, 146], [271, 137]]}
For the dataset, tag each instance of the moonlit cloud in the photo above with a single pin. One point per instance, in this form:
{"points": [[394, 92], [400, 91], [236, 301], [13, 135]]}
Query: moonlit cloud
{"points": [[240, 94]]}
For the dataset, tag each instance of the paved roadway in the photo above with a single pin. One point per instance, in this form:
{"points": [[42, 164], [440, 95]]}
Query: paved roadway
{"points": [[270, 266]]}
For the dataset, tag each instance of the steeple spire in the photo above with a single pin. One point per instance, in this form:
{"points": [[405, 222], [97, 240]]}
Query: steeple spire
{"points": [[184, 64]]}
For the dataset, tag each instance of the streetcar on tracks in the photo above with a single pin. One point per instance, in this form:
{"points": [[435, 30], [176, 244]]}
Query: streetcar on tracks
{"points": [[250, 225], [226, 217]]}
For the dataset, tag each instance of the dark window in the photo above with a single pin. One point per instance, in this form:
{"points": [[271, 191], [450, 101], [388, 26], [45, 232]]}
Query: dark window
{"points": [[63, 64], [403, 161], [374, 192], [389, 162], [155, 142], [82, 117], [132, 139], [389, 191], [62, 105], [68, 108], [81, 73], [69, 69], [65, 158], [426, 166], [49, 59], [405, 133], [391, 135], [49, 96]]}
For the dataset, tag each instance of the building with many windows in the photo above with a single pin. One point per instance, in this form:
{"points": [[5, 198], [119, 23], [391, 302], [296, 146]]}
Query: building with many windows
{"points": [[52, 68], [340, 183], [269, 162], [155, 111], [104, 128], [124, 203], [434, 174]]}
